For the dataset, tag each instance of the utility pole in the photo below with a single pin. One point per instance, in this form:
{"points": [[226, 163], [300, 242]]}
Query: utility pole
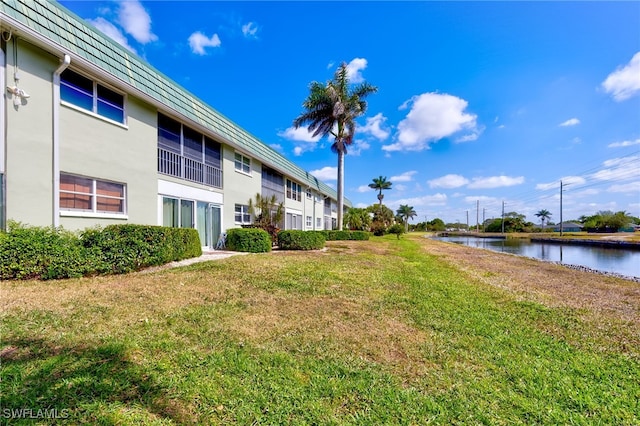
{"points": [[467, 220], [483, 219], [477, 215], [561, 190], [503, 217]]}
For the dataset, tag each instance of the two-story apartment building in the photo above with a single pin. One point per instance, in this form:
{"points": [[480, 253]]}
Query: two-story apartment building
{"points": [[91, 135]]}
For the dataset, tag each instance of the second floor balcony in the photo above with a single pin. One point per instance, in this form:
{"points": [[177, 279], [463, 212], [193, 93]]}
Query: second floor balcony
{"points": [[176, 165]]}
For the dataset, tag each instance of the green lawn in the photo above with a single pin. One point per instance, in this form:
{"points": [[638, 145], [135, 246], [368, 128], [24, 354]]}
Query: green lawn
{"points": [[376, 332]]}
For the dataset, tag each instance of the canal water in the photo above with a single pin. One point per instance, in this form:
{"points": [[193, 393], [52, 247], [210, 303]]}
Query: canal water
{"points": [[614, 260]]}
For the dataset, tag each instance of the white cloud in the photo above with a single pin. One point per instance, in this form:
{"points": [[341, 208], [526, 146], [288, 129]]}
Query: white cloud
{"points": [[619, 169], [426, 200], [624, 82], [433, 116], [400, 187], [364, 188], [362, 205], [482, 198], [199, 42], [301, 134], [357, 147], [567, 180], [297, 151], [448, 181], [584, 193], [250, 30], [326, 173], [495, 182], [404, 177], [276, 146], [136, 21], [111, 31], [375, 127], [623, 144], [354, 70], [472, 136], [569, 122]]}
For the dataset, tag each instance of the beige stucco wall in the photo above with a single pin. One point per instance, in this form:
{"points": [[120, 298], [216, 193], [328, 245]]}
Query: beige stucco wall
{"points": [[97, 148], [238, 187], [29, 178]]}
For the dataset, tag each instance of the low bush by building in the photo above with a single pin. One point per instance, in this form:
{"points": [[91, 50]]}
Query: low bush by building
{"points": [[300, 240], [28, 252], [252, 240]]}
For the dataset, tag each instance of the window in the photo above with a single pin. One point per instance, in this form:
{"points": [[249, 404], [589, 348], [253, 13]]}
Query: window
{"points": [[170, 212], [309, 195], [177, 213], [242, 215], [294, 191], [192, 144], [319, 223], [85, 93], [91, 195], [309, 221], [293, 221], [188, 154], [212, 155], [169, 134], [243, 164]]}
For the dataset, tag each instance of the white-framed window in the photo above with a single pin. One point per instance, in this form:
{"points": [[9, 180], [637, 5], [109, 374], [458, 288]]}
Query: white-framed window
{"points": [[242, 215], [309, 221], [319, 223], [177, 212], [243, 164], [293, 221], [294, 190], [84, 93], [84, 194], [309, 194]]}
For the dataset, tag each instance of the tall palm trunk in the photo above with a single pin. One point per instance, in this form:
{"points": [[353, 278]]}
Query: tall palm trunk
{"points": [[340, 187]]}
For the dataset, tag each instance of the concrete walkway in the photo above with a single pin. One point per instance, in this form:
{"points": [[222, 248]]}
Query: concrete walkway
{"points": [[208, 255]]}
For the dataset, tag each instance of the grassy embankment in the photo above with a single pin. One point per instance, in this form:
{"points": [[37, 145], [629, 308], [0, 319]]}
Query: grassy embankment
{"points": [[378, 332], [631, 237]]}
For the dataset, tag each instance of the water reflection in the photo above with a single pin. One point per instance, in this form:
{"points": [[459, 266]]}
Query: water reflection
{"points": [[617, 260]]}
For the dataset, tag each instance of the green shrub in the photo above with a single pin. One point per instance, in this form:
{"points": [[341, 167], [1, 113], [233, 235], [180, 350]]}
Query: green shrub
{"points": [[396, 229], [378, 229], [252, 240], [345, 235], [128, 247], [42, 252], [300, 240], [50, 253]]}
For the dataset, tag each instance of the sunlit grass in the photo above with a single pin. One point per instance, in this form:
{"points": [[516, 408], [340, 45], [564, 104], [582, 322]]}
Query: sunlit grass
{"points": [[377, 332]]}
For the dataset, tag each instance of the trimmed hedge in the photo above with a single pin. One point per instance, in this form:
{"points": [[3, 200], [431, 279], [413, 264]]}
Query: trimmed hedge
{"points": [[346, 235], [127, 248], [300, 240], [252, 240], [53, 253], [43, 252]]}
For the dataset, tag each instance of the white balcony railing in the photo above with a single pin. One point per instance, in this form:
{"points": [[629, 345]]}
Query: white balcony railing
{"points": [[172, 164]]}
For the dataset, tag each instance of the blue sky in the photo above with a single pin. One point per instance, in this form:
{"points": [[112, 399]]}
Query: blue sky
{"points": [[478, 102]]}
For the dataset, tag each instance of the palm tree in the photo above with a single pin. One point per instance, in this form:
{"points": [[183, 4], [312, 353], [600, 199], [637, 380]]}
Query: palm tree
{"points": [[543, 215], [406, 212], [331, 109], [380, 183]]}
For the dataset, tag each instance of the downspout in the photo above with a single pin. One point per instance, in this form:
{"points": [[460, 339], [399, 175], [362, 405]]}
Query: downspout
{"points": [[3, 137], [56, 139]]}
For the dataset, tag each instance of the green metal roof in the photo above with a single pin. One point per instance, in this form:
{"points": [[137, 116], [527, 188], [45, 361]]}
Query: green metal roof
{"points": [[74, 36]]}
